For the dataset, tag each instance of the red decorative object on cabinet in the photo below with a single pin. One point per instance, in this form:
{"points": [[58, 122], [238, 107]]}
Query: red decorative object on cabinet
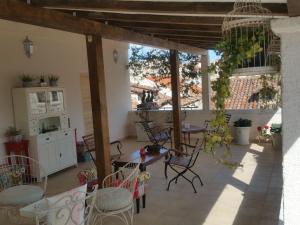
{"points": [[17, 148]]}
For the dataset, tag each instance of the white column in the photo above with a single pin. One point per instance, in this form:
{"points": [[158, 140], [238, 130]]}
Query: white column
{"points": [[289, 31], [205, 83]]}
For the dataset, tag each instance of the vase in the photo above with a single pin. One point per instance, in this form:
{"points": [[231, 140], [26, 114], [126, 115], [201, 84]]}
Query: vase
{"points": [[53, 83], [242, 135], [27, 84]]}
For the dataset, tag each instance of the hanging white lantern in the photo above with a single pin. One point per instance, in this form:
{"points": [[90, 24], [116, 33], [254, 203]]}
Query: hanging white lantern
{"points": [[248, 24]]}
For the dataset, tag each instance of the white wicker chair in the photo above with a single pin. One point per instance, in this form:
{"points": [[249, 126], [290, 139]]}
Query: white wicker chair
{"points": [[74, 207], [115, 199], [18, 184]]}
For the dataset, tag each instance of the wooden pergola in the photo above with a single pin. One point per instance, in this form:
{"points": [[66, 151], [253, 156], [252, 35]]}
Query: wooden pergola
{"points": [[178, 26]]}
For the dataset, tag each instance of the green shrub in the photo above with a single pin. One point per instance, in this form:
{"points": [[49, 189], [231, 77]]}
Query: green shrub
{"points": [[243, 123]]}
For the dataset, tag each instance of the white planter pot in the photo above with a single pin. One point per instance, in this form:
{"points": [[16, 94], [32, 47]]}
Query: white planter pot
{"points": [[242, 135]]}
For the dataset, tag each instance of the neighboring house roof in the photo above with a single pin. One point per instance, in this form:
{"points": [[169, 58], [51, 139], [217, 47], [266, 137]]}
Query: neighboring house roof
{"points": [[164, 95], [244, 93]]}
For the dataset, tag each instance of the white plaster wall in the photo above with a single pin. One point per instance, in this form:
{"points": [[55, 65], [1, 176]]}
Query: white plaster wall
{"points": [[289, 31], [197, 117], [117, 88], [64, 54]]}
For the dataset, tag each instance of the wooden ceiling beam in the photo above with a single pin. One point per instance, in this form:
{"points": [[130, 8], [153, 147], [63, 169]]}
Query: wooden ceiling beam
{"points": [[293, 7], [165, 26], [179, 37], [155, 7], [151, 30], [193, 20], [20, 12], [181, 40]]}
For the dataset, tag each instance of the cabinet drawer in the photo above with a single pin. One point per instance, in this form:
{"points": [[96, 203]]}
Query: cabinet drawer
{"points": [[45, 139], [65, 134]]}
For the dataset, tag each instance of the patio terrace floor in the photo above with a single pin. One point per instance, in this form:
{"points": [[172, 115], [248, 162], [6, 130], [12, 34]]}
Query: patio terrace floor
{"points": [[246, 196]]}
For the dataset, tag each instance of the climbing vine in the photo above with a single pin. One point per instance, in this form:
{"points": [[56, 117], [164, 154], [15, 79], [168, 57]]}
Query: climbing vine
{"points": [[232, 52]]}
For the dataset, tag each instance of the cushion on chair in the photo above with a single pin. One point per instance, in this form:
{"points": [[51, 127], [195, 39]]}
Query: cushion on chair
{"points": [[21, 195], [161, 136], [179, 161], [69, 207], [113, 198]]}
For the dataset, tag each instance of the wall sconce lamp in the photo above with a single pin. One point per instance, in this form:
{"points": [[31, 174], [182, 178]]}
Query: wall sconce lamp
{"points": [[115, 56], [28, 47]]}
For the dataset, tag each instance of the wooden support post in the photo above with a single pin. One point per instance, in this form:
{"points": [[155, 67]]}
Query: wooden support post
{"points": [[175, 82], [205, 83], [99, 106]]}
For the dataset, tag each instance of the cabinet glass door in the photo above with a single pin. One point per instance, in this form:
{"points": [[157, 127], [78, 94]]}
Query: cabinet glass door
{"points": [[37, 102], [56, 101]]}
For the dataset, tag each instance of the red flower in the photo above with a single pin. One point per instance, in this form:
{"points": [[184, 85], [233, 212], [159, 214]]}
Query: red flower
{"points": [[266, 126], [259, 128]]}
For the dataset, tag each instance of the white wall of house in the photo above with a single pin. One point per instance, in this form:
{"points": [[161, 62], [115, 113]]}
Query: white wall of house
{"points": [[197, 117], [289, 31], [64, 54]]}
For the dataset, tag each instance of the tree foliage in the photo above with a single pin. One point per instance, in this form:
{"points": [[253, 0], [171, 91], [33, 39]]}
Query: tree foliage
{"points": [[156, 63]]}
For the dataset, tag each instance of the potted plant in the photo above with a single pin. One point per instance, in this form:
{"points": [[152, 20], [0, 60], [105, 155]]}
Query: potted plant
{"points": [[243, 127], [53, 79], [264, 134], [13, 135], [276, 136], [43, 83], [27, 80]]}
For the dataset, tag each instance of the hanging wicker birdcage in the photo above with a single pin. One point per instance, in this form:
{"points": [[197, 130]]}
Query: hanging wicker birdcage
{"points": [[247, 29]]}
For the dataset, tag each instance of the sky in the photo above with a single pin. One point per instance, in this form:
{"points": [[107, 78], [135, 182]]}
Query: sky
{"points": [[212, 56]]}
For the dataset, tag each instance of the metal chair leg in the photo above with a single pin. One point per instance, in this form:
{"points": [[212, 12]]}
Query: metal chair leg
{"points": [[166, 168], [196, 176], [174, 178], [191, 182]]}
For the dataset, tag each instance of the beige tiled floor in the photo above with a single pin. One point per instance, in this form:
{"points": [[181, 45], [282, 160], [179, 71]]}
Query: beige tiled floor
{"points": [[246, 196]]}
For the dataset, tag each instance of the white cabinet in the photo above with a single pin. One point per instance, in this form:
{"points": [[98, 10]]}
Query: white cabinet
{"points": [[56, 151], [47, 154], [40, 112]]}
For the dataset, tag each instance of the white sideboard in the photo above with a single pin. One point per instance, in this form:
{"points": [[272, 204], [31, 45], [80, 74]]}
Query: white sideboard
{"points": [[41, 114]]}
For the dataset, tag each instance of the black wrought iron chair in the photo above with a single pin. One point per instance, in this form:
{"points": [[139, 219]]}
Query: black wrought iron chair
{"points": [[183, 162], [89, 142], [157, 135]]}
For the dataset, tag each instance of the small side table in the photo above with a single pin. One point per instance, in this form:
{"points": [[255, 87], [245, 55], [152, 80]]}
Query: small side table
{"points": [[17, 148]]}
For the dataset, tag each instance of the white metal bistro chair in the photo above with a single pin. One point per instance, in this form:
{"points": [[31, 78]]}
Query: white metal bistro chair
{"points": [[74, 207], [20, 184], [115, 199]]}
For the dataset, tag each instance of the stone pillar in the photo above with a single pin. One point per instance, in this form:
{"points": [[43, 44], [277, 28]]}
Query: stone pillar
{"points": [[205, 83], [289, 31]]}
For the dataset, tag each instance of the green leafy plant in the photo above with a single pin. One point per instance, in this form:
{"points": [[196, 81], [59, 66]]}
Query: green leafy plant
{"points": [[233, 53], [243, 123], [52, 77], [27, 77], [276, 128], [12, 131], [270, 93]]}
